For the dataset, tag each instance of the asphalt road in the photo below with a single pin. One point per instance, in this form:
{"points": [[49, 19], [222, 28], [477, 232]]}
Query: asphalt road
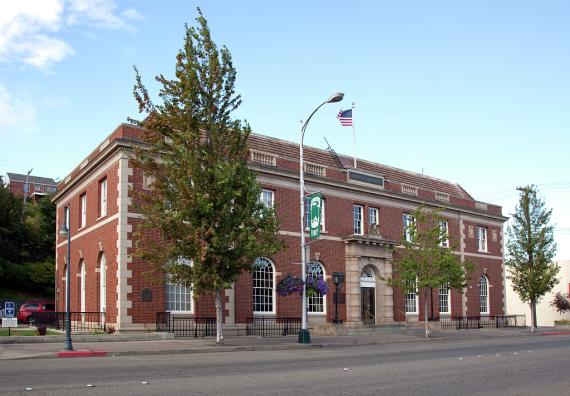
{"points": [[538, 365]]}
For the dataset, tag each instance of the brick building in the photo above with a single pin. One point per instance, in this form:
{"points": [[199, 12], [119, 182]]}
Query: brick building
{"points": [[365, 209], [37, 186]]}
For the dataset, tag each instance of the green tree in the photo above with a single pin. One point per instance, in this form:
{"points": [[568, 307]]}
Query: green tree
{"points": [[424, 263], [27, 245], [205, 201], [531, 249], [11, 230]]}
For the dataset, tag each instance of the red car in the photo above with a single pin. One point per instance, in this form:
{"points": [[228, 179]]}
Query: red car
{"points": [[28, 308]]}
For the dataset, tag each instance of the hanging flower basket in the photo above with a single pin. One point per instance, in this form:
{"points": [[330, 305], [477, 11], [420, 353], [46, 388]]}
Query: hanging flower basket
{"points": [[289, 285], [316, 285]]}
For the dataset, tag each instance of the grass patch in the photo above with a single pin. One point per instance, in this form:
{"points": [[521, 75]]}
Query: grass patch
{"points": [[562, 322], [24, 332]]}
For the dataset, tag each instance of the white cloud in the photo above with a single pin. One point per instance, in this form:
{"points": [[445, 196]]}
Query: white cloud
{"points": [[29, 28], [101, 13], [17, 114]]}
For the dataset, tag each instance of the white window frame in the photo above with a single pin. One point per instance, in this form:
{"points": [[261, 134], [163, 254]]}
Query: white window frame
{"points": [[83, 199], [483, 295], [444, 229], [410, 297], [66, 216], [258, 284], [103, 283], [82, 275], [407, 220], [482, 239], [103, 197], [373, 216], [267, 197], [444, 299], [318, 300], [357, 219], [183, 295], [308, 214]]}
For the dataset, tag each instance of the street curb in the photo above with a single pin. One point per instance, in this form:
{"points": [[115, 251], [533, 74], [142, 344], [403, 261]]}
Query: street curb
{"points": [[284, 346], [80, 353]]}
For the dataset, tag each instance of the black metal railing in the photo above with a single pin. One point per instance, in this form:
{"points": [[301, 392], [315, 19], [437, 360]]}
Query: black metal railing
{"points": [[482, 322], [268, 327], [182, 326], [81, 322]]}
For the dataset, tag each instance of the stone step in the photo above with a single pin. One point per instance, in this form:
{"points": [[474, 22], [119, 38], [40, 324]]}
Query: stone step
{"points": [[382, 329]]}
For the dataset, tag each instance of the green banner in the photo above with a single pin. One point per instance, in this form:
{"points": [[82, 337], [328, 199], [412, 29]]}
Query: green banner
{"points": [[315, 215]]}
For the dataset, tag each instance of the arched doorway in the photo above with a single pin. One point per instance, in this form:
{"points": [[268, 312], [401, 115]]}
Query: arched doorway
{"points": [[368, 295]]}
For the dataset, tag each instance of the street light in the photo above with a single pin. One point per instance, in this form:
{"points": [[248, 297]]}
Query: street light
{"points": [[64, 232], [338, 278], [304, 335]]}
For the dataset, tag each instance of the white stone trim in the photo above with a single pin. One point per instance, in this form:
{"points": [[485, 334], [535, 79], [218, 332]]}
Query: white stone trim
{"points": [[123, 243], [89, 229], [95, 175], [231, 305]]}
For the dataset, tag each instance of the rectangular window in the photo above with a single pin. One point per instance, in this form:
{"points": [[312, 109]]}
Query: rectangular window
{"points": [[411, 299], [267, 197], [83, 212], [308, 214], [373, 216], [357, 217], [482, 239], [408, 221], [178, 297], [103, 198], [444, 230], [147, 182], [444, 299]]}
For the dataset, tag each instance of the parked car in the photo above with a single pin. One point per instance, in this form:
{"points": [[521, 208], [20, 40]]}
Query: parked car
{"points": [[29, 308]]}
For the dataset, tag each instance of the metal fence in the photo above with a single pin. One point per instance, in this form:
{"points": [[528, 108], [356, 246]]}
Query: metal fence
{"points": [[182, 326], [268, 327], [81, 322], [482, 322]]}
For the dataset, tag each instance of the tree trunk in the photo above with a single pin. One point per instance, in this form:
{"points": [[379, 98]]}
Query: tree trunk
{"points": [[219, 318], [426, 312], [533, 316]]}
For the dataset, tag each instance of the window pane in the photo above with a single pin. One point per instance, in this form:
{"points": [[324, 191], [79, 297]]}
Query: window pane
{"points": [[483, 295], [357, 216], [263, 287], [444, 298], [316, 303]]}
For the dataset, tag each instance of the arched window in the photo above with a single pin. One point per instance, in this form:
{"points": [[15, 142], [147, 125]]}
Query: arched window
{"points": [[411, 298], [263, 277], [179, 297], [82, 273], [102, 283], [444, 299], [483, 295], [316, 303]]}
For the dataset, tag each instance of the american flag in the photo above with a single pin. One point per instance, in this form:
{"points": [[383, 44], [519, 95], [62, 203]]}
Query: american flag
{"points": [[345, 117]]}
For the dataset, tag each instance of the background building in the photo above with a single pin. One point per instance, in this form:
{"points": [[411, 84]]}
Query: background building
{"points": [[545, 314], [365, 212], [37, 186]]}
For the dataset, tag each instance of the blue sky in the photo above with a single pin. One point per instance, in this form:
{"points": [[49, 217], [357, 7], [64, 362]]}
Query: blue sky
{"points": [[472, 92]]}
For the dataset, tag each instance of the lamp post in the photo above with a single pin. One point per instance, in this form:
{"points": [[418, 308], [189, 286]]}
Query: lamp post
{"points": [[304, 335], [64, 232], [338, 278]]}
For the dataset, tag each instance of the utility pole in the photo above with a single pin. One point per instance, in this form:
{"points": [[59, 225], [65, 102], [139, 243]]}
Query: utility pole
{"points": [[26, 186]]}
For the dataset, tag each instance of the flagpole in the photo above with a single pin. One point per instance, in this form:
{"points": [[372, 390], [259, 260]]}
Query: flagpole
{"points": [[353, 137]]}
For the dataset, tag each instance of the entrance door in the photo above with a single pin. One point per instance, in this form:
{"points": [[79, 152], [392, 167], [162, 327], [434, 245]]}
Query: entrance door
{"points": [[367, 304]]}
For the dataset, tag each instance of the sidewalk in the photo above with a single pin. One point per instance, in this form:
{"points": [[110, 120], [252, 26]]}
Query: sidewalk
{"points": [[146, 345]]}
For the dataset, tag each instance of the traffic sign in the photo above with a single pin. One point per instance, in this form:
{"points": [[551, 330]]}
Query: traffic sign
{"points": [[9, 308]]}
